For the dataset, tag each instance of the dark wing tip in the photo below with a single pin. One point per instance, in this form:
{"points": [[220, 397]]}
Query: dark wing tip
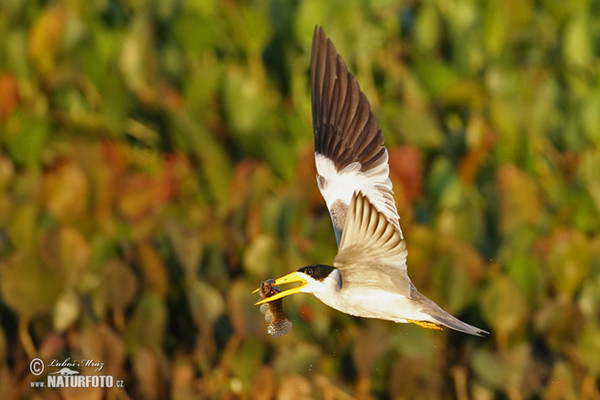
{"points": [[345, 128]]}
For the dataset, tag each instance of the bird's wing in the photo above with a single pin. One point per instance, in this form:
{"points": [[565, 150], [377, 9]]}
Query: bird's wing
{"points": [[372, 252], [349, 151]]}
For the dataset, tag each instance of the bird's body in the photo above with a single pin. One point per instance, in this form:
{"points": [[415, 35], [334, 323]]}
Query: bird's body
{"points": [[370, 301], [357, 300], [369, 274]]}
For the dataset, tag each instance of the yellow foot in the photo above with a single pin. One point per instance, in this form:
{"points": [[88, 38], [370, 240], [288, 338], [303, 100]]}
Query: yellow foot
{"points": [[425, 324]]}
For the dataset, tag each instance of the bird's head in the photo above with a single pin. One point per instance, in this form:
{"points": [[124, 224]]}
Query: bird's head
{"points": [[313, 278]]}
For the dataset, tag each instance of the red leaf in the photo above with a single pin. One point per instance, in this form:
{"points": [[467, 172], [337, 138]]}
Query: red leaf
{"points": [[406, 166], [9, 95]]}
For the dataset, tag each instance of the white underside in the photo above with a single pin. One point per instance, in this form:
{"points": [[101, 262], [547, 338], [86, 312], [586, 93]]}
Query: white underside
{"points": [[365, 302], [373, 304]]}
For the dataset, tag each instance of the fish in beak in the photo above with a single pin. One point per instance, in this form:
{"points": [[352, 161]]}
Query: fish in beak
{"points": [[289, 278]]}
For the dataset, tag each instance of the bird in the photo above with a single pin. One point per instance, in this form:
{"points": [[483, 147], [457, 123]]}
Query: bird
{"points": [[369, 275]]}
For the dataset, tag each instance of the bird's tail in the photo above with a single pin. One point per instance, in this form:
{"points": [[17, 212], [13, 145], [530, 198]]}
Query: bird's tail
{"points": [[439, 317]]}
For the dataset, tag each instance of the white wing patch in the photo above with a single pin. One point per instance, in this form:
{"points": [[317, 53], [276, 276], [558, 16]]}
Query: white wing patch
{"points": [[336, 186]]}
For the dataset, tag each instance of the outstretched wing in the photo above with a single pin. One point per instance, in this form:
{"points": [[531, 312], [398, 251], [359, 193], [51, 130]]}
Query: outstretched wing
{"points": [[372, 258], [372, 251], [349, 151]]}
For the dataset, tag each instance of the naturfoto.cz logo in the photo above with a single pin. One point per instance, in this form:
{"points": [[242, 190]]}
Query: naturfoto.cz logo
{"points": [[68, 377]]}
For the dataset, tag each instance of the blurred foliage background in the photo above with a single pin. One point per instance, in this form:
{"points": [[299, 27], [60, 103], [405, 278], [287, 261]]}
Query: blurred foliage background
{"points": [[156, 164]]}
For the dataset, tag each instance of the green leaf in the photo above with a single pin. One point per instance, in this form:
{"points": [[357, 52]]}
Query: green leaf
{"points": [[490, 368], [569, 261], [27, 286], [25, 139], [66, 310], [503, 305], [589, 347], [577, 45]]}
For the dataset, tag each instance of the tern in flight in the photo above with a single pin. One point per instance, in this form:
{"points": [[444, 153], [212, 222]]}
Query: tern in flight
{"points": [[368, 277]]}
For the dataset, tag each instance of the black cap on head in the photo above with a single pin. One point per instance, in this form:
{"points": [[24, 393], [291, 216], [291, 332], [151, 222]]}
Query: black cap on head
{"points": [[317, 271]]}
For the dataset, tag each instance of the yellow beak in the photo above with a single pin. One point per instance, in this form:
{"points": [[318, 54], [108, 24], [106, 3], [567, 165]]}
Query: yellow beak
{"points": [[289, 278]]}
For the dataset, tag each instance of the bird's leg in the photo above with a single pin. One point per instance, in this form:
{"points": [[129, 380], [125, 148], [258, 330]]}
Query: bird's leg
{"points": [[426, 324]]}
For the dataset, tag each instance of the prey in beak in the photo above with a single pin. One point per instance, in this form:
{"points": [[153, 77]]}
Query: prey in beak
{"points": [[289, 278], [279, 324]]}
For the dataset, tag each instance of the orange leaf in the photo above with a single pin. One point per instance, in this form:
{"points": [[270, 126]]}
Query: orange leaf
{"points": [[155, 272], [144, 194], [520, 203], [470, 164], [66, 192], [44, 37], [406, 166], [9, 95]]}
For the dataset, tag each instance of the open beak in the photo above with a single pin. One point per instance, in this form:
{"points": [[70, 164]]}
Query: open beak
{"points": [[289, 278]]}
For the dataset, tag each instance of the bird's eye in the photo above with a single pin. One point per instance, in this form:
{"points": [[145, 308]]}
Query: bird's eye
{"points": [[309, 271]]}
